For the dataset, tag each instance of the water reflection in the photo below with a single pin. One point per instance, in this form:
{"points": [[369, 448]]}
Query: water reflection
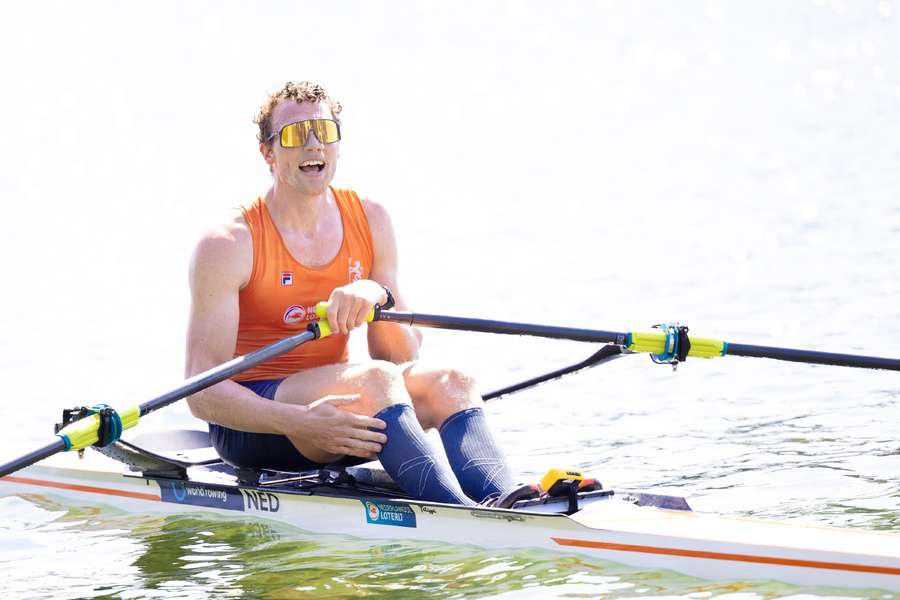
{"points": [[103, 554]]}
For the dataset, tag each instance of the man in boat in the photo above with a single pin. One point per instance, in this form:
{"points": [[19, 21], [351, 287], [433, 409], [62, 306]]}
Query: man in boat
{"points": [[256, 278]]}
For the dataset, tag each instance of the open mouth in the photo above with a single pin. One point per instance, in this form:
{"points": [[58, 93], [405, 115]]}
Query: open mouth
{"points": [[312, 166]]}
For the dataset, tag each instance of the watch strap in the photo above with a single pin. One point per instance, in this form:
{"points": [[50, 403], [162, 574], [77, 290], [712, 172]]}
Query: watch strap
{"points": [[389, 303]]}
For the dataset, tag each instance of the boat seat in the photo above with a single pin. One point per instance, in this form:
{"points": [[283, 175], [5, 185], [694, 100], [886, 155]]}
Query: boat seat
{"points": [[164, 442], [181, 446]]}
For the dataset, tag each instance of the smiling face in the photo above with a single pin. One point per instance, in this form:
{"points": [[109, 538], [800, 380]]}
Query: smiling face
{"points": [[308, 169]]}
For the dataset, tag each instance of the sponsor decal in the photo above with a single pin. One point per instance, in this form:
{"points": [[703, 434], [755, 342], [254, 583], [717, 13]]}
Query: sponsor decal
{"points": [[379, 512], [428, 509], [354, 270], [262, 501], [295, 314], [180, 492], [287, 278], [298, 315]]}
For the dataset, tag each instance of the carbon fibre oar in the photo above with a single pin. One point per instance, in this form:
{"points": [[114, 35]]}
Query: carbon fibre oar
{"points": [[85, 432], [605, 354], [653, 342]]}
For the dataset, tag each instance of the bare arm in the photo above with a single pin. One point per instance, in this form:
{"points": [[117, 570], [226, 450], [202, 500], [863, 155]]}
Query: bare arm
{"points": [[389, 341], [349, 304], [221, 264]]}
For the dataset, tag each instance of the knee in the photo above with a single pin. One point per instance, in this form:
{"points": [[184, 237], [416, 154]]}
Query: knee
{"points": [[381, 384], [454, 382], [454, 388], [442, 393]]}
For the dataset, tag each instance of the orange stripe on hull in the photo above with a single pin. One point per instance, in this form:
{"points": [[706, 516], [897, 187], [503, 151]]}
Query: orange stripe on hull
{"points": [[80, 488], [748, 558]]}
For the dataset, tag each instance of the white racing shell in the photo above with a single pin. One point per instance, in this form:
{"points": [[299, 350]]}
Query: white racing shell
{"points": [[611, 528]]}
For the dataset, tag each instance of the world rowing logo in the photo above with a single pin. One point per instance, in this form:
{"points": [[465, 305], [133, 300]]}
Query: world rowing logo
{"points": [[179, 492], [219, 497]]}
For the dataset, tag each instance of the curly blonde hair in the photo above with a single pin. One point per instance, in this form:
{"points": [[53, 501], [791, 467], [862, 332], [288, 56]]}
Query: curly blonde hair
{"points": [[302, 91]]}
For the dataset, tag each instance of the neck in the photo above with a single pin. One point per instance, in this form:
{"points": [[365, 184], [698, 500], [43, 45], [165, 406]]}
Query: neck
{"points": [[293, 209]]}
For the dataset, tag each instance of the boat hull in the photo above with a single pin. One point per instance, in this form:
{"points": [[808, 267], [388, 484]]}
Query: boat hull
{"points": [[610, 528]]}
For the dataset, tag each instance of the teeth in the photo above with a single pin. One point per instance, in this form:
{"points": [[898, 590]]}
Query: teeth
{"points": [[312, 163]]}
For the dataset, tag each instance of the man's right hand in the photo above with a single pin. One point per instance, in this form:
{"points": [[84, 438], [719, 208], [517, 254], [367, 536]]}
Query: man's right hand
{"points": [[337, 431]]}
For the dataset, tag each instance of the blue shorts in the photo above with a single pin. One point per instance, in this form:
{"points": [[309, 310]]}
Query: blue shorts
{"points": [[264, 450]]}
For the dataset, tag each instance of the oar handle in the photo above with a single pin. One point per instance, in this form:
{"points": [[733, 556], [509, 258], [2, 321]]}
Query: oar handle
{"points": [[325, 326]]}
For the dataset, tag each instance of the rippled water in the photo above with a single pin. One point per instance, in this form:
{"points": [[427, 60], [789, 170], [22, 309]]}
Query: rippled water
{"points": [[187, 557], [731, 166]]}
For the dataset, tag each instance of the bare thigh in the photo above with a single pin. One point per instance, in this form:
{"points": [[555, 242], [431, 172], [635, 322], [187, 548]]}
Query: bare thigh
{"points": [[378, 384]]}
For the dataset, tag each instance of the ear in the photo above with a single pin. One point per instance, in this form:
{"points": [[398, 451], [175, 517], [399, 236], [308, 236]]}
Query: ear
{"points": [[266, 151]]}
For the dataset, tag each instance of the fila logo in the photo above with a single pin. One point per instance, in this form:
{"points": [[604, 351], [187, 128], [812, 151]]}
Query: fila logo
{"points": [[287, 278]]}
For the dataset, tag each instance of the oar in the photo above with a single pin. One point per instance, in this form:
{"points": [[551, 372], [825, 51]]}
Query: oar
{"points": [[653, 342], [605, 354], [85, 432]]}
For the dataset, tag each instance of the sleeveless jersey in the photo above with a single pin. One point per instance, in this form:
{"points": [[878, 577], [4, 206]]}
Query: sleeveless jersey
{"points": [[279, 299]]}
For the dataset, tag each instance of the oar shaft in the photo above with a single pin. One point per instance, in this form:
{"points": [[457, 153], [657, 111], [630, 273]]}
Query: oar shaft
{"points": [[504, 327], [814, 357], [226, 370], [85, 430], [653, 342], [32, 457], [605, 354]]}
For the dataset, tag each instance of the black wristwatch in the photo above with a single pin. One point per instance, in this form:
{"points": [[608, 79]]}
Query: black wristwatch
{"points": [[389, 303]]}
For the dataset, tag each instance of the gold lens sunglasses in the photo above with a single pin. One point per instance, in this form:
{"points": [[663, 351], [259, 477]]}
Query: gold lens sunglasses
{"points": [[294, 135]]}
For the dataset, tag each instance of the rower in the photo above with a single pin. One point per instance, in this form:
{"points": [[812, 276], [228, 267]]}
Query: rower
{"points": [[256, 278]]}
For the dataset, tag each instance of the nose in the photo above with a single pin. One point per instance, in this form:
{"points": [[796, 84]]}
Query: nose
{"points": [[312, 142]]}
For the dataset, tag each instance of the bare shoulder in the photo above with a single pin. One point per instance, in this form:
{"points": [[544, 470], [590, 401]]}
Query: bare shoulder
{"points": [[379, 218], [225, 250]]}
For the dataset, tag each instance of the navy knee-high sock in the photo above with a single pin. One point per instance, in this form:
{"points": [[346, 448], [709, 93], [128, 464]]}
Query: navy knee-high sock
{"points": [[474, 456], [410, 461]]}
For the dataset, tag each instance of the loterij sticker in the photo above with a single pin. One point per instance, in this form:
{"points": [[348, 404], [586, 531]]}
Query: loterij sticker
{"points": [[379, 512]]}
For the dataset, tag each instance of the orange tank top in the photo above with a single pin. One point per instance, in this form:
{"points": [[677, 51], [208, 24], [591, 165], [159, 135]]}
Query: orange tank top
{"points": [[279, 299]]}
